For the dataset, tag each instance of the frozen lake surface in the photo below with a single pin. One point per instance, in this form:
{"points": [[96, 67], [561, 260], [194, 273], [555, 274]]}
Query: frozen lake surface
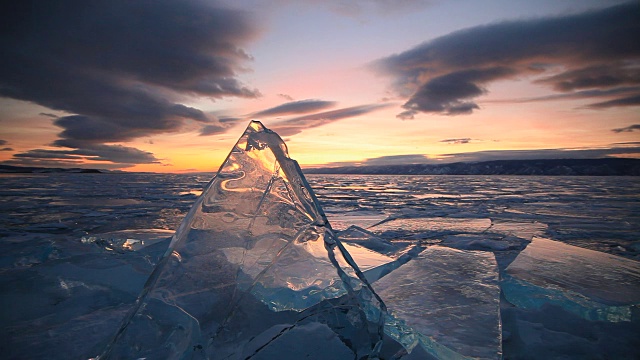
{"points": [[77, 249]]}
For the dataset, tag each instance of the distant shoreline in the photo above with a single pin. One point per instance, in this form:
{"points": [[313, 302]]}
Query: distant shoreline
{"points": [[8, 169], [549, 167], [559, 167]]}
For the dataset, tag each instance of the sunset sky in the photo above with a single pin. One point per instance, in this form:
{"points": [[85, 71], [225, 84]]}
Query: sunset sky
{"points": [[169, 86]]}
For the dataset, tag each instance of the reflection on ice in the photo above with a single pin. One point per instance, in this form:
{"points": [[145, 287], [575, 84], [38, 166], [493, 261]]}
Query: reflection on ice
{"points": [[517, 229], [592, 284], [127, 240], [357, 235], [362, 219], [429, 227]]}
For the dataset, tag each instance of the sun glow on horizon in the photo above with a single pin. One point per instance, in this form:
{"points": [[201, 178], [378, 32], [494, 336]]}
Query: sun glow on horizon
{"points": [[359, 88]]}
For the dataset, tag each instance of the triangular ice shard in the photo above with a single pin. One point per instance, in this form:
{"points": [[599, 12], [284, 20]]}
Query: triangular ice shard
{"points": [[253, 265]]}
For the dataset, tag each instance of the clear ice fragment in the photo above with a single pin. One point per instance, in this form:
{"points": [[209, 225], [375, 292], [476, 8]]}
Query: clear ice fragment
{"points": [[375, 257], [361, 218], [127, 240], [357, 235], [517, 229], [446, 300], [592, 284], [253, 267]]}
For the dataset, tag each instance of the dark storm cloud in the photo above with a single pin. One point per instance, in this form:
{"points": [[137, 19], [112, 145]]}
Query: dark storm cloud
{"points": [[48, 154], [445, 94], [630, 128], [3, 142], [456, 141], [95, 152], [596, 49], [53, 116], [61, 163], [298, 124], [295, 107], [121, 67]]}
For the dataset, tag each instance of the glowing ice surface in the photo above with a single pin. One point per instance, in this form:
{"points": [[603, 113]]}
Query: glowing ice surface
{"points": [[446, 300], [592, 284], [431, 227], [253, 265]]}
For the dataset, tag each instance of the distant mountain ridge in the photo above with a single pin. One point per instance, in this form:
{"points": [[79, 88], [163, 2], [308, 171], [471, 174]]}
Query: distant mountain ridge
{"points": [[567, 167], [8, 169]]}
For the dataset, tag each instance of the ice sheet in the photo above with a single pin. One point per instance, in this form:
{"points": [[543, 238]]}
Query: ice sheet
{"points": [[44, 216], [448, 301], [592, 284], [430, 227], [63, 297], [254, 254]]}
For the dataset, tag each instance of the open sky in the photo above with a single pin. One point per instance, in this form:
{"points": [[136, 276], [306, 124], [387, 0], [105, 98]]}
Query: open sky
{"points": [[169, 86]]}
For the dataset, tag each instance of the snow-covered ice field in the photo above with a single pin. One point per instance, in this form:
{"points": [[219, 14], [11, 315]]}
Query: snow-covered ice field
{"points": [[526, 267]]}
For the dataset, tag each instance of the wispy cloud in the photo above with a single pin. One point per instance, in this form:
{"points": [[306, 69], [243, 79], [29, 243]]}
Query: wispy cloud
{"points": [[5, 142], [357, 8], [624, 101], [120, 67], [286, 97], [598, 76], [456, 141], [298, 124], [538, 154], [490, 155], [397, 159], [629, 128], [220, 126], [619, 92], [212, 130], [598, 50], [295, 107]]}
